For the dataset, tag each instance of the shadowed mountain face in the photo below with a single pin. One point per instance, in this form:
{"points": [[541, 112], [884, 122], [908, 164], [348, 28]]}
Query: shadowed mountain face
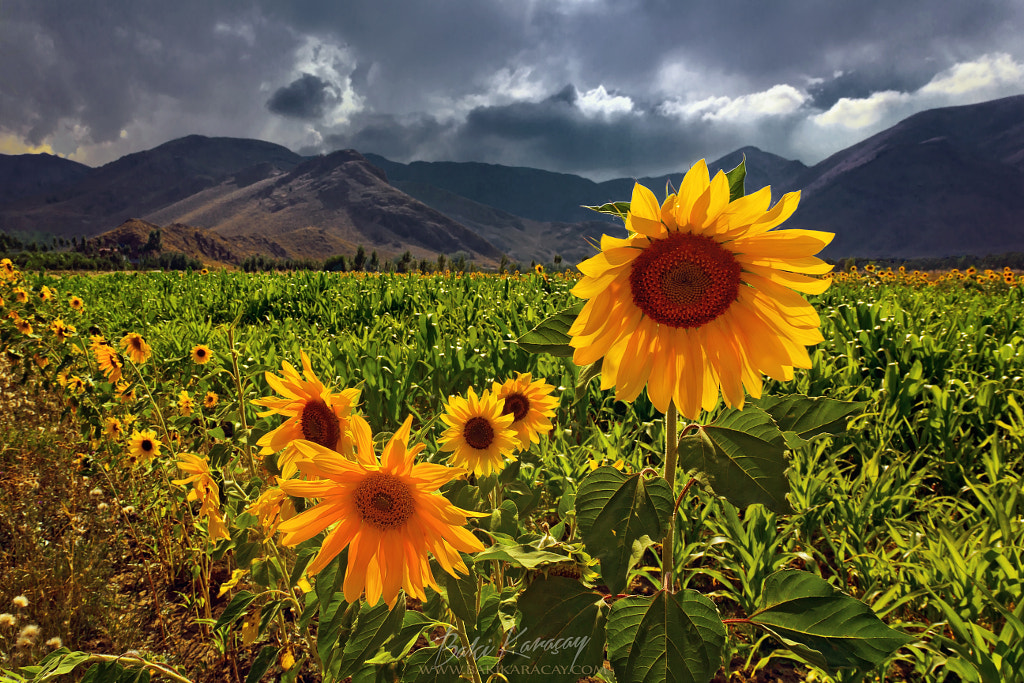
{"points": [[943, 182], [327, 205], [139, 183], [36, 175]]}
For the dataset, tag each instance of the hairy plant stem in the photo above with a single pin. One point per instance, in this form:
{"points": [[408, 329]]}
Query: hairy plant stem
{"points": [[460, 628], [250, 461], [671, 458]]}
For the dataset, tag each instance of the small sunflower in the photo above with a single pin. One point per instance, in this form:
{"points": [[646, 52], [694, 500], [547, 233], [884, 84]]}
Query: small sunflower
{"points": [[136, 347], [479, 437], [62, 330], [45, 293], [701, 297], [530, 403], [125, 391], [185, 403], [205, 490], [272, 507], [314, 413], [210, 400], [144, 446], [76, 303], [113, 429], [388, 513], [24, 326], [20, 295], [108, 360], [201, 354]]}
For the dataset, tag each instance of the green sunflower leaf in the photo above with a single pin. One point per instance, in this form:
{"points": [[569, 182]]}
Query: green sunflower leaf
{"points": [[809, 417], [743, 454], [736, 177], [460, 592], [586, 375], [617, 209], [520, 555], [827, 627], [374, 626], [552, 334], [665, 637], [433, 665], [620, 516], [562, 633]]}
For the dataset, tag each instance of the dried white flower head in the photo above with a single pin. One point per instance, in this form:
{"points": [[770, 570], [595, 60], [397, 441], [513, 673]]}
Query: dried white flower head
{"points": [[24, 643], [20, 601], [54, 643], [102, 507], [7, 620], [30, 631], [96, 492]]}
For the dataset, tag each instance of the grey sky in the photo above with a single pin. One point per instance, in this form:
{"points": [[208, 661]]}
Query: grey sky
{"points": [[597, 87]]}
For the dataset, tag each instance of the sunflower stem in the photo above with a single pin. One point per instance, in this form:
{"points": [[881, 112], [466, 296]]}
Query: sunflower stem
{"points": [[671, 457], [241, 399], [460, 628]]}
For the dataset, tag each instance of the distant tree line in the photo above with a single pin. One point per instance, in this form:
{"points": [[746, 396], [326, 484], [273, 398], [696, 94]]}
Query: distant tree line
{"points": [[59, 253], [360, 262]]}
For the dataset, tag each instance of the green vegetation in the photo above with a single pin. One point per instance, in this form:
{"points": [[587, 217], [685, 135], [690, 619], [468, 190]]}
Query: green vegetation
{"points": [[915, 508]]}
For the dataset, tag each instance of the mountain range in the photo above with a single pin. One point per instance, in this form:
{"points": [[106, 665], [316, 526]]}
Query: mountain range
{"points": [[942, 182]]}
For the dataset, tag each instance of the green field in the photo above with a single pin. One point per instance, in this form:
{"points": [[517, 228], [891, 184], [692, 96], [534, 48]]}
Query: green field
{"points": [[916, 509]]}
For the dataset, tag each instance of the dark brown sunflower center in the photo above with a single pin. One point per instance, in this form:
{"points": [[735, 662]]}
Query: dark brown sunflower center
{"points": [[200, 353], [518, 405], [384, 501], [146, 445], [136, 343], [478, 433], [685, 280], [320, 424]]}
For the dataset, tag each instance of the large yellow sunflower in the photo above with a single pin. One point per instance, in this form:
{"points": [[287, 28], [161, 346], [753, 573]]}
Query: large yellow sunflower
{"points": [[314, 413], [388, 513], [700, 296], [479, 436], [531, 405]]}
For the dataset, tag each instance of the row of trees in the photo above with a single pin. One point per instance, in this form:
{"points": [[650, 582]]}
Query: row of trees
{"points": [[360, 262]]}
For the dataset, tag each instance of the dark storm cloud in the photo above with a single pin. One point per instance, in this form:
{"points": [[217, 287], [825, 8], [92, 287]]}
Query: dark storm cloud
{"points": [[303, 98], [860, 84], [462, 79], [553, 134]]}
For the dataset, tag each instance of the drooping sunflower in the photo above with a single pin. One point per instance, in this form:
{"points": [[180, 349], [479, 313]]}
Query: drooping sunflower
{"points": [[272, 507], [136, 347], [108, 360], [314, 413], [24, 326], [700, 296], [479, 436], [185, 403], [201, 354], [531, 405], [112, 428], [143, 446], [388, 513], [205, 490]]}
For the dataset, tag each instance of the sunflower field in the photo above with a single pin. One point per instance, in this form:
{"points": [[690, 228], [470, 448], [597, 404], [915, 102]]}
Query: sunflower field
{"points": [[384, 477]]}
